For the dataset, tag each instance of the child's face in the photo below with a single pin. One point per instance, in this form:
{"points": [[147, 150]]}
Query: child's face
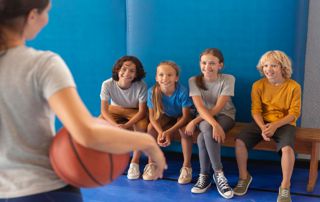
{"points": [[166, 76], [210, 66], [272, 71], [127, 72]]}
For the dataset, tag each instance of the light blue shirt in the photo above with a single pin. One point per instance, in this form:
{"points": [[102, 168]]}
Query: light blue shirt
{"points": [[173, 104]]}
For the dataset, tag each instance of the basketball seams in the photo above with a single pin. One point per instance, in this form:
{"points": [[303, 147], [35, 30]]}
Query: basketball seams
{"points": [[111, 166], [82, 166], [65, 178], [81, 162], [54, 163]]}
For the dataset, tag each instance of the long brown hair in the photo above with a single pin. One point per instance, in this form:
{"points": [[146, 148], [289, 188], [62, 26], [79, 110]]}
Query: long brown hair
{"points": [[212, 51], [13, 16], [156, 91]]}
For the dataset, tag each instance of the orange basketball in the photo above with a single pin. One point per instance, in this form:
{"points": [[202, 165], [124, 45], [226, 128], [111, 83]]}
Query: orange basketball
{"points": [[84, 167]]}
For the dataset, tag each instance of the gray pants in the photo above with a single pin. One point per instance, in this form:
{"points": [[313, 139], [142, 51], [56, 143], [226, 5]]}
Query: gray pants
{"points": [[209, 149]]}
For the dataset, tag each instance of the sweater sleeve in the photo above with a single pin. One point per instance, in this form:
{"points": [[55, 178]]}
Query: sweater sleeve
{"points": [[256, 104], [295, 105]]}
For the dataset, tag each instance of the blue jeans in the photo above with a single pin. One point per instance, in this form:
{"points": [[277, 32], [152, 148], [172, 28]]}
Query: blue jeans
{"points": [[65, 194]]}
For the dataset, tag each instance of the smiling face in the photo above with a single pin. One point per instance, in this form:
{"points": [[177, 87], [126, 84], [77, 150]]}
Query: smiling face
{"points": [[127, 72], [166, 77], [210, 66], [272, 71]]}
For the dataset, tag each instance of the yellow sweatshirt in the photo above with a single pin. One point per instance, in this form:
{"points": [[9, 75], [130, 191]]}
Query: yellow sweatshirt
{"points": [[275, 102]]}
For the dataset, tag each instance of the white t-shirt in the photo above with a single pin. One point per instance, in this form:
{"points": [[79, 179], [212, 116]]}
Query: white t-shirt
{"points": [[27, 79], [223, 85], [128, 98]]}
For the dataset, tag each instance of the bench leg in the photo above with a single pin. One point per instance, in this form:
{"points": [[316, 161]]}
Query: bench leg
{"points": [[313, 171]]}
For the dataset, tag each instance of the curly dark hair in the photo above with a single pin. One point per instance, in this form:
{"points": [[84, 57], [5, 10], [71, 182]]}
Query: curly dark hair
{"points": [[140, 73]]}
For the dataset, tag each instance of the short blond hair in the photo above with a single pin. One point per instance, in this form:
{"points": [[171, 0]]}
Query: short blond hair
{"points": [[281, 58]]}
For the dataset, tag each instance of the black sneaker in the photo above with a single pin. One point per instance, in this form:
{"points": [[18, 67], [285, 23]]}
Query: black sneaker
{"points": [[222, 185], [203, 183]]}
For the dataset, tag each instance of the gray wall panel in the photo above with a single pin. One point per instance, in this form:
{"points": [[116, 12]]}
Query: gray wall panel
{"points": [[311, 91]]}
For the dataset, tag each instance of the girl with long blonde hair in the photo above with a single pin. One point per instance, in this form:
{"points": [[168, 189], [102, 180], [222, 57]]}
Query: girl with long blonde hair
{"points": [[169, 111]]}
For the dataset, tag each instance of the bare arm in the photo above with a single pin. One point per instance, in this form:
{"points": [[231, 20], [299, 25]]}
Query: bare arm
{"points": [[206, 114], [105, 113], [138, 116], [154, 122], [222, 100], [89, 132], [165, 139]]}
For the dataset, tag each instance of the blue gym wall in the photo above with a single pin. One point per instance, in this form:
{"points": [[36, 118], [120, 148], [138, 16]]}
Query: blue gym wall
{"points": [[91, 36], [242, 29]]}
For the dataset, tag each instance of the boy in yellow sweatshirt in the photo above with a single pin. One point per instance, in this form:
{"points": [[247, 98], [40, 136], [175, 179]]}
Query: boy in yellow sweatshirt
{"points": [[275, 108]]}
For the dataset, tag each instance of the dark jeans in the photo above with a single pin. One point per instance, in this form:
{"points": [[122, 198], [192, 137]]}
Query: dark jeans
{"points": [[65, 194]]}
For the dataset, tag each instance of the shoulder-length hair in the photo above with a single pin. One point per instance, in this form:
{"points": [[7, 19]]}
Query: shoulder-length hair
{"points": [[279, 57], [140, 73]]}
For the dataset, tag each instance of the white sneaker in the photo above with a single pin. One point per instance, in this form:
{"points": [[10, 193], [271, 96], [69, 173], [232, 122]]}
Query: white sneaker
{"points": [[185, 175], [149, 171], [133, 171]]}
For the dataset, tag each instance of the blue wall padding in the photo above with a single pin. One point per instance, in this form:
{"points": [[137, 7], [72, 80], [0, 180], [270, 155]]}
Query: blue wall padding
{"points": [[92, 36], [243, 30]]}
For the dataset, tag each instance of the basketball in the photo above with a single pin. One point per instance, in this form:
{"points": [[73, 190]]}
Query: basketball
{"points": [[84, 167]]}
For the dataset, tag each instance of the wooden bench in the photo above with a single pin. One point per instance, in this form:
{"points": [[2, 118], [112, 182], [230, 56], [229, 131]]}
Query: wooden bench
{"points": [[307, 142]]}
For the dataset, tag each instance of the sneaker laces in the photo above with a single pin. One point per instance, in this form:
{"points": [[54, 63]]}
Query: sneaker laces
{"points": [[284, 193], [222, 181], [150, 169], [201, 181], [133, 170], [241, 183]]}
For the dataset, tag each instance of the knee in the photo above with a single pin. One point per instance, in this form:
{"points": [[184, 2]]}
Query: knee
{"points": [[183, 135], [200, 139], [240, 143], [141, 125], [204, 126], [287, 150]]}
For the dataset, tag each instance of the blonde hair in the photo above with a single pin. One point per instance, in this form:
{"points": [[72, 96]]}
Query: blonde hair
{"points": [[279, 57], [156, 91]]}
